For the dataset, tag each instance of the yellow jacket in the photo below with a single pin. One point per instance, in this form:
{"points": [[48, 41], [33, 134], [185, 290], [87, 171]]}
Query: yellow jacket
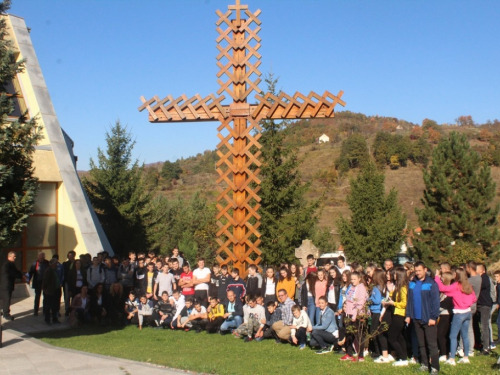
{"points": [[215, 313], [289, 286], [400, 306]]}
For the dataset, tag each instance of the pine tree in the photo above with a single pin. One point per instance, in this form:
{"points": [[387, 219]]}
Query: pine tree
{"points": [[18, 186], [286, 217], [457, 202], [117, 193], [375, 230]]}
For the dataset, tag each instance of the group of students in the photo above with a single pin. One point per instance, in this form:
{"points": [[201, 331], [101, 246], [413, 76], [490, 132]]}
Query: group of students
{"points": [[350, 310]]}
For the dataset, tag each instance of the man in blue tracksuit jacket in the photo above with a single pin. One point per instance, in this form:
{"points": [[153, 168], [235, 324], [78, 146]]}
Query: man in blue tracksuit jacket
{"points": [[423, 307]]}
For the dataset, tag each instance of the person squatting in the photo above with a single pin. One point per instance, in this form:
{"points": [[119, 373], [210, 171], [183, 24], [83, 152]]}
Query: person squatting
{"points": [[398, 315]]}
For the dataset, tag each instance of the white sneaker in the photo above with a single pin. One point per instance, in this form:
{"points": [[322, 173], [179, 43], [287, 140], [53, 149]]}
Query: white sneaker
{"points": [[382, 359], [366, 353], [471, 354], [460, 352], [391, 358], [493, 346], [412, 361], [442, 358], [464, 361], [400, 363], [450, 362]]}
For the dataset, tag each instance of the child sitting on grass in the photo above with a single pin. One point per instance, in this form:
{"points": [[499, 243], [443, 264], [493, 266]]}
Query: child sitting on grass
{"points": [[215, 315], [183, 318], [300, 325], [131, 308], [145, 312], [273, 315], [198, 317], [254, 319]]}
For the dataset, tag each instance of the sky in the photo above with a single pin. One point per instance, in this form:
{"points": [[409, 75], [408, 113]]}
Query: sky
{"points": [[406, 59]]}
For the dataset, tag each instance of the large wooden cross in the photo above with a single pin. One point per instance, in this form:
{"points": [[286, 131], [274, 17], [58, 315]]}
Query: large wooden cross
{"points": [[238, 166]]}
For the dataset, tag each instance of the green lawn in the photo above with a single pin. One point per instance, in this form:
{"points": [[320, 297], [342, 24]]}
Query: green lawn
{"points": [[226, 355]]}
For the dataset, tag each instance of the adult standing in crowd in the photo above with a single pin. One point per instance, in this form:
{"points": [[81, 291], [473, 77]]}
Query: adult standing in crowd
{"points": [[51, 298], [7, 281], [67, 268], [423, 308], [484, 304], [201, 279], [36, 273]]}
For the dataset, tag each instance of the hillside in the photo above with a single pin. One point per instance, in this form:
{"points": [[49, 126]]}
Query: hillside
{"points": [[318, 167]]}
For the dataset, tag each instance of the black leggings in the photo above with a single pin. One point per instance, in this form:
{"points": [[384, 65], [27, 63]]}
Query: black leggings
{"points": [[383, 337], [396, 336], [443, 332], [375, 323]]}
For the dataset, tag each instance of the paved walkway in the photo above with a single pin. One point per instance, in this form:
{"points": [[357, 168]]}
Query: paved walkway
{"points": [[23, 354]]}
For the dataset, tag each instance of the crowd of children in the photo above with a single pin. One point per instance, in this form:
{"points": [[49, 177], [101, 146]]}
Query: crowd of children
{"points": [[397, 314]]}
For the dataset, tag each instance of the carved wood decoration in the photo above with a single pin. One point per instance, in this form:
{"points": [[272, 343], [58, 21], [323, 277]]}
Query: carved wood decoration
{"points": [[239, 149]]}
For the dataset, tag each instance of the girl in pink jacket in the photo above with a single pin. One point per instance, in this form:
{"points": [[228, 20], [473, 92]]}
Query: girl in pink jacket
{"points": [[463, 298]]}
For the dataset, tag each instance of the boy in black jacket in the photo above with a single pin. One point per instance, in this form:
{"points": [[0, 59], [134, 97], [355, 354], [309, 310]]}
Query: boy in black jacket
{"points": [[224, 279]]}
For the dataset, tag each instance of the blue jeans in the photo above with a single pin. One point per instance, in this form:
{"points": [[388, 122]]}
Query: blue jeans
{"points": [[231, 324], [460, 323], [311, 309]]}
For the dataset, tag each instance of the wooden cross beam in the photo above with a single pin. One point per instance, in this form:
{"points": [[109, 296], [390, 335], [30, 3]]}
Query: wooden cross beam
{"points": [[239, 148]]}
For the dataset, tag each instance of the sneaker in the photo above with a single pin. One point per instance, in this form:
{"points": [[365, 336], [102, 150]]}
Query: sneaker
{"points": [[360, 360], [442, 358], [391, 358], [248, 339], [366, 353], [259, 338], [471, 354], [423, 368], [347, 357], [412, 361], [460, 352], [434, 371], [330, 348], [323, 351], [400, 363], [464, 361], [450, 362], [493, 346], [301, 347], [382, 359]]}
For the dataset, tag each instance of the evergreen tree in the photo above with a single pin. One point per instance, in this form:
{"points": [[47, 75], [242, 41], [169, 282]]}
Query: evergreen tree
{"points": [[457, 202], [117, 193], [375, 230], [286, 217], [18, 186]]}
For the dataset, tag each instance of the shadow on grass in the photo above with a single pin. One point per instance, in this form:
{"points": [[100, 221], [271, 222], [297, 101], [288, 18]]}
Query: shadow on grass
{"points": [[84, 330]]}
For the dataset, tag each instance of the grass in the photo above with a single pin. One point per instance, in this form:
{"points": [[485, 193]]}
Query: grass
{"points": [[216, 354]]}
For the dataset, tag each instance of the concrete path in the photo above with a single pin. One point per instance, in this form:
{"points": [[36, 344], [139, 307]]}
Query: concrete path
{"points": [[22, 354]]}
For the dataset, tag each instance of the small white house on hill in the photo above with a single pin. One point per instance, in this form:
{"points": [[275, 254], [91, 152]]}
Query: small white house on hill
{"points": [[324, 139]]}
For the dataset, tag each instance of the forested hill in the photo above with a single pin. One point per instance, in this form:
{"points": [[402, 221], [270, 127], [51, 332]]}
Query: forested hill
{"points": [[399, 147]]}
